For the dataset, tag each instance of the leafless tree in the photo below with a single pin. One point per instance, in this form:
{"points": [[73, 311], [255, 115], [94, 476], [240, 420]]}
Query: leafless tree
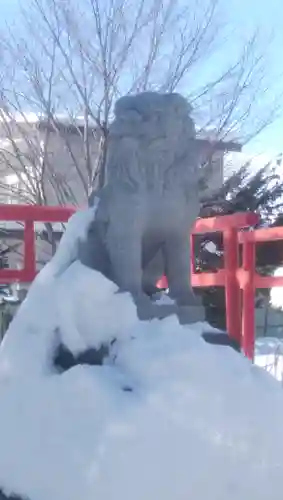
{"points": [[73, 58]]}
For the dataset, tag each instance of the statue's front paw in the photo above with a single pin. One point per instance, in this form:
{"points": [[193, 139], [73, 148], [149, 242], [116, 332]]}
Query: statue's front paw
{"points": [[189, 308], [148, 309], [186, 299]]}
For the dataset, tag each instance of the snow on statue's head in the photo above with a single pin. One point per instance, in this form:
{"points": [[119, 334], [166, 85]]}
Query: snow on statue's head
{"points": [[149, 139]]}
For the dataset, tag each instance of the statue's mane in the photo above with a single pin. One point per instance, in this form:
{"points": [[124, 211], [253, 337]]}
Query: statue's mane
{"points": [[151, 141]]}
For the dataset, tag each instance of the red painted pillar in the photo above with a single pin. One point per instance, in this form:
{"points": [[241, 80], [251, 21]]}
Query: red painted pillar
{"points": [[232, 289], [248, 317], [29, 252]]}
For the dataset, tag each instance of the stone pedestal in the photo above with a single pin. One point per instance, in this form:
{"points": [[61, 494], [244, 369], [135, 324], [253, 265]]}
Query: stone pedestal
{"points": [[186, 314]]}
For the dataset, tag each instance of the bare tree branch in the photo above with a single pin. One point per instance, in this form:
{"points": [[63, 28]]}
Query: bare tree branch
{"points": [[79, 56]]}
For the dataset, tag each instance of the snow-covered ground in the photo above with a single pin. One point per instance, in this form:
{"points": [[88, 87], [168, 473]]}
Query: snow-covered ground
{"points": [[167, 416]]}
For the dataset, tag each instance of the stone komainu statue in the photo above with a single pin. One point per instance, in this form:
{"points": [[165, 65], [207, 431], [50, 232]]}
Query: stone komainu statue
{"points": [[150, 200]]}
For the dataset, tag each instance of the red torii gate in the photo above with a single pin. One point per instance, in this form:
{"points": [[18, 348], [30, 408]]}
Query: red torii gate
{"points": [[240, 313]]}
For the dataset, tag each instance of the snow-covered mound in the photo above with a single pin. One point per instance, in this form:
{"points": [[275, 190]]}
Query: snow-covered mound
{"points": [[167, 416]]}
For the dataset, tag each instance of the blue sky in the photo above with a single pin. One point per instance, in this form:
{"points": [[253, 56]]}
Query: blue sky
{"points": [[8, 9], [244, 15]]}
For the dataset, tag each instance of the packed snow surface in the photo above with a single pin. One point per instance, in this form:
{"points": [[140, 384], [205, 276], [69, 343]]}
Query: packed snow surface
{"points": [[167, 417]]}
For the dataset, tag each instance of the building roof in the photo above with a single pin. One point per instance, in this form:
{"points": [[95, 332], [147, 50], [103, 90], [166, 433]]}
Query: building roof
{"points": [[66, 124]]}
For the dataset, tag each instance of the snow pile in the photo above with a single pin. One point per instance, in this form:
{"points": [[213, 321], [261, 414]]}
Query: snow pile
{"points": [[269, 355], [167, 415]]}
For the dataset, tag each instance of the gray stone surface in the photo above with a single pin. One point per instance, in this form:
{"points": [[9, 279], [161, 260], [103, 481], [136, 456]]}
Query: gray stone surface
{"points": [[150, 201]]}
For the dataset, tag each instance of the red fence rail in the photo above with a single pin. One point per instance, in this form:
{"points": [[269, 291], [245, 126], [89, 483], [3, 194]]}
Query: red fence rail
{"points": [[28, 215], [240, 312], [229, 225], [249, 280], [240, 308]]}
